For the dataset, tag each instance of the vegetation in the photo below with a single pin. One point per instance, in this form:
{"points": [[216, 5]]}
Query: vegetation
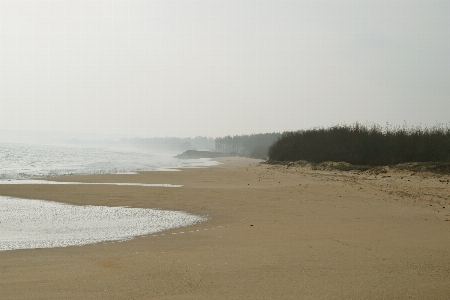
{"points": [[255, 145], [364, 145], [434, 167]]}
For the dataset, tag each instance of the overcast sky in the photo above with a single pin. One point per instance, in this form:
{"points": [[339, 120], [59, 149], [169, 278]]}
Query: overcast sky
{"points": [[214, 68]]}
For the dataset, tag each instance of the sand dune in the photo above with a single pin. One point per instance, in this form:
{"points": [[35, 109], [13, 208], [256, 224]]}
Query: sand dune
{"points": [[274, 232]]}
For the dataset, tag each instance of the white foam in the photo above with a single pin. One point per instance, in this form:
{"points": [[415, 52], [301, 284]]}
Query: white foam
{"points": [[28, 224], [31, 181]]}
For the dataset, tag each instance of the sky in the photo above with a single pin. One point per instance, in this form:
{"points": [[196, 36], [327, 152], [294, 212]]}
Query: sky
{"points": [[215, 68]]}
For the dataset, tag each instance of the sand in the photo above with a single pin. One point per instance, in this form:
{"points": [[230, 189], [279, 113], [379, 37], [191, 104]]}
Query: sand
{"points": [[274, 232]]}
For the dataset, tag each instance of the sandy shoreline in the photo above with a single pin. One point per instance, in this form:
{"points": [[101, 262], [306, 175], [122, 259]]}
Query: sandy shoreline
{"points": [[274, 233]]}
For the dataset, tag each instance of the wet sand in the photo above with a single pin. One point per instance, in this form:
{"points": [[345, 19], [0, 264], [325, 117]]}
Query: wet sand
{"points": [[274, 232]]}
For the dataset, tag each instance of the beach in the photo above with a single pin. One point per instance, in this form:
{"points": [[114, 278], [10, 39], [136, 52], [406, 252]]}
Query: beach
{"points": [[273, 232]]}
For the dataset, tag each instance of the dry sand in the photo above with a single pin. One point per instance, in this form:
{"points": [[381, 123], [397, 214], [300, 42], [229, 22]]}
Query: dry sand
{"points": [[274, 232]]}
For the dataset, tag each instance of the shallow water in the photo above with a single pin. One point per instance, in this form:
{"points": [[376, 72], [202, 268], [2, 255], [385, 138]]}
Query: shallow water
{"points": [[31, 181], [28, 224]]}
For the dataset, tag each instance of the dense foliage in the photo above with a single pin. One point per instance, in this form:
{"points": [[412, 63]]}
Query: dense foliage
{"points": [[364, 145], [255, 145]]}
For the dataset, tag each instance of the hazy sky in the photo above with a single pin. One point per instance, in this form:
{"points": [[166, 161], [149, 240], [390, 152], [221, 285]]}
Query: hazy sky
{"points": [[189, 68]]}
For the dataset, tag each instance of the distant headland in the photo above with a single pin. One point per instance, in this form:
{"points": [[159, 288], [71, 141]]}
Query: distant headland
{"points": [[194, 154]]}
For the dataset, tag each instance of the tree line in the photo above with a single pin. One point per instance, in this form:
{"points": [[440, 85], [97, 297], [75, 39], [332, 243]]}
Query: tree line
{"points": [[171, 143], [254, 145], [364, 145]]}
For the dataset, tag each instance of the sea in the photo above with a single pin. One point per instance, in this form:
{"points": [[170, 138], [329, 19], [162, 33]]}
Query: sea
{"points": [[32, 223], [21, 161]]}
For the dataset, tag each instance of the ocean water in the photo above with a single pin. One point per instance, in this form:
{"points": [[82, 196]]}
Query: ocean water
{"points": [[29, 224], [19, 161]]}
